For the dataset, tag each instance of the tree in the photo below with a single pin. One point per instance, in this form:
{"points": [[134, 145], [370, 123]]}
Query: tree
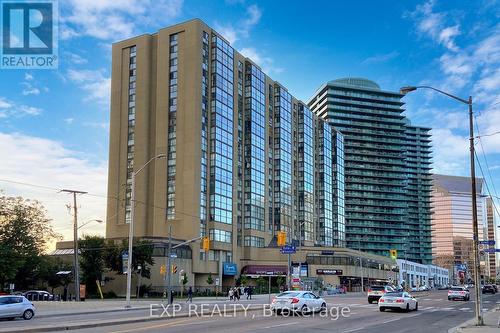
{"points": [[261, 282], [210, 280], [25, 232], [280, 280], [142, 255], [184, 279], [91, 261], [49, 267]]}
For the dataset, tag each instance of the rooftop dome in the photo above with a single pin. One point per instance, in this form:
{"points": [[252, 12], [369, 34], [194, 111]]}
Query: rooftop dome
{"points": [[358, 82]]}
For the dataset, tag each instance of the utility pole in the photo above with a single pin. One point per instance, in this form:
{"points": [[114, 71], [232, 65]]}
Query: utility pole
{"points": [[75, 243], [477, 263], [361, 267], [169, 265]]}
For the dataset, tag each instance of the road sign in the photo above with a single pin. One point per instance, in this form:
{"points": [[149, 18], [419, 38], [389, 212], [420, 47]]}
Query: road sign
{"points": [[491, 250], [489, 242], [124, 262], [217, 281], [288, 249]]}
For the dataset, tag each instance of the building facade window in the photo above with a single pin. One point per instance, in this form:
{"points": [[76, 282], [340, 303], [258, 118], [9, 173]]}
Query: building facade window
{"points": [[305, 173], [339, 190], [221, 132], [282, 153], [204, 134], [254, 241], [172, 127], [255, 156], [130, 131], [222, 236]]}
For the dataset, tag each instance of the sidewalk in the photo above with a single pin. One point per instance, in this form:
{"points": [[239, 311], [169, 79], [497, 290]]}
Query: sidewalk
{"points": [[491, 324], [52, 309]]}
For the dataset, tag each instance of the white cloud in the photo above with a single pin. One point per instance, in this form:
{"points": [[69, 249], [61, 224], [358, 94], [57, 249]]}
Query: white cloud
{"points": [[115, 19], [28, 77], [48, 163], [435, 26], [379, 58], [75, 58], [266, 63], [31, 91], [450, 151], [233, 32], [93, 82], [69, 121], [10, 109]]}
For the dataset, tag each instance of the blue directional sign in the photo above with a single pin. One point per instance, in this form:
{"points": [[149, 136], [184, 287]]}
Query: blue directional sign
{"points": [[288, 249], [491, 250], [490, 242]]}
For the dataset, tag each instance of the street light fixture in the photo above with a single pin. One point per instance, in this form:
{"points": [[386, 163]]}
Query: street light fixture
{"points": [[131, 227], [475, 231]]}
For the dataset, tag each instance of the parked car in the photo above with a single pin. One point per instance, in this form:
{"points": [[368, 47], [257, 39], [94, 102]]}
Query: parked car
{"points": [[38, 295], [298, 301], [12, 307], [397, 301], [488, 289], [375, 292], [458, 293], [423, 288], [334, 291]]}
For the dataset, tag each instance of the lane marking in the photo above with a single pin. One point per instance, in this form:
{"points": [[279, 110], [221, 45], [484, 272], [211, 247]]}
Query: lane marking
{"points": [[279, 325], [151, 327]]}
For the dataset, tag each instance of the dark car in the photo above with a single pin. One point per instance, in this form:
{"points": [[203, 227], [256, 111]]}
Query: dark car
{"points": [[38, 295], [488, 289]]}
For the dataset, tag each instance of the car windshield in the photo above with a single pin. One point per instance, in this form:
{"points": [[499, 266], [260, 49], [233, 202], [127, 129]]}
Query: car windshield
{"points": [[377, 287], [394, 294], [288, 294]]}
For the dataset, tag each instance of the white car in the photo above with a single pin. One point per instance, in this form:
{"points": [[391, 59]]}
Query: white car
{"points": [[12, 307], [298, 301], [458, 293], [375, 292], [397, 301]]}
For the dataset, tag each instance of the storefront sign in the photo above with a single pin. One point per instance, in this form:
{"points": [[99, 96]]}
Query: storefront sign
{"points": [[321, 271]]}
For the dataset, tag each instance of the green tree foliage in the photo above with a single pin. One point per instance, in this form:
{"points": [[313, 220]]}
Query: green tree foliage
{"points": [[25, 233], [91, 261], [280, 280], [142, 255], [49, 267], [210, 280]]}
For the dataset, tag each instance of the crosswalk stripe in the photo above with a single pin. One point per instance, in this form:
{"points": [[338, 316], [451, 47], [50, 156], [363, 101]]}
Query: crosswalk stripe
{"points": [[463, 309]]}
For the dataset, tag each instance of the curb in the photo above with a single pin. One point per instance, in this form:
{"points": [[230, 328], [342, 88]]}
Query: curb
{"points": [[88, 312], [114, 322], [470, 322]]}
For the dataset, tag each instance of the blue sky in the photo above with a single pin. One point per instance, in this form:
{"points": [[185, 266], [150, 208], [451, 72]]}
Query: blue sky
{"points": [[54, 123]]}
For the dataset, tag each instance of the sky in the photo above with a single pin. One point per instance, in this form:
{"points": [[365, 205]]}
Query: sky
{"points": [[54, 124]]}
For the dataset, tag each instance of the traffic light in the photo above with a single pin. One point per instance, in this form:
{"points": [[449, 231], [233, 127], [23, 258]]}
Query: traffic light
{"points": [[394, 254], [281, 238], [174, 269], [163, 269], [206, 244]]}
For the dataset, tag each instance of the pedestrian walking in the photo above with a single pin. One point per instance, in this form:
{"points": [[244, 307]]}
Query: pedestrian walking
{"points": [[190, 295], [231, 294], [249, 292], [236, 294]]}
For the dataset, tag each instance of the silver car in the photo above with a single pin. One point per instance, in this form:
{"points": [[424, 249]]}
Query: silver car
{"points": [[298, 301], [12, 307]]}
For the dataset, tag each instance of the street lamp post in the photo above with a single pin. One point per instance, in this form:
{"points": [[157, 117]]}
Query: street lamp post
{"points": [[131, 227], [475, 231]]}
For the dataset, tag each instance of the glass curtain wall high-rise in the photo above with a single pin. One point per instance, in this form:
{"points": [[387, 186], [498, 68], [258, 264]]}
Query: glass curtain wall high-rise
{"points": [[221, 132], [418, 161], [172, 127], [283, 191], [255, 155], [338, 191], [373, 126], [305, 174]]}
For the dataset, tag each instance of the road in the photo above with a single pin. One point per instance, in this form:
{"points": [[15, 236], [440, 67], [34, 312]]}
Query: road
{"points": [[436, 314]]}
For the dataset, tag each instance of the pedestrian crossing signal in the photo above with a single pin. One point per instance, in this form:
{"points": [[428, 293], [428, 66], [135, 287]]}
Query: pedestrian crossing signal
{"points": [[394, 254], [163, 270]]}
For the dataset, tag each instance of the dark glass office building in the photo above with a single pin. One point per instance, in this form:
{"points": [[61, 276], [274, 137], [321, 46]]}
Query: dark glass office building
{"points": [[386, 164]]}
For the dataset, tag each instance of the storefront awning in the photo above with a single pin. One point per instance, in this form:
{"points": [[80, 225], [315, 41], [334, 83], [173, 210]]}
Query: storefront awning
{"points": [[264, 270]]}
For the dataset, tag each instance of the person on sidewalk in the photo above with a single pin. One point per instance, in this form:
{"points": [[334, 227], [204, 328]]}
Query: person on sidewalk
{"points": [[231, 293], [190, 295], [249, 292]]}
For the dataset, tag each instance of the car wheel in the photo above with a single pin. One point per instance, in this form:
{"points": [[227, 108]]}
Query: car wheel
{"points": [[304, 309], [407, 307], [449, 298], [323, 307], [416, 306], [381, 309], [28, 314], [369, 301]]}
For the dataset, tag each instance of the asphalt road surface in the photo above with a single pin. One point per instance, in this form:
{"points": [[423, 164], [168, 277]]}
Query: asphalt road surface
{"points": [[436, 314]]}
